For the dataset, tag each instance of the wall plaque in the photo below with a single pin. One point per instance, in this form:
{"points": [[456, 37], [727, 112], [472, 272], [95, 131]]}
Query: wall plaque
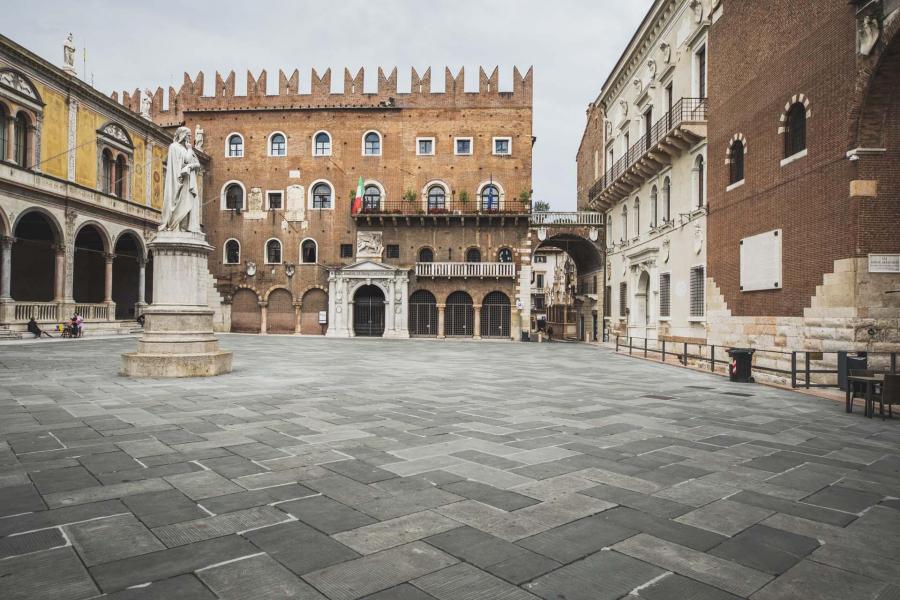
{"points": [[884, 263], [761, 262]]}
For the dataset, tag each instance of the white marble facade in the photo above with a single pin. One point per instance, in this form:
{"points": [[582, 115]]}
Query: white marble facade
{"points": [[343, 284]]}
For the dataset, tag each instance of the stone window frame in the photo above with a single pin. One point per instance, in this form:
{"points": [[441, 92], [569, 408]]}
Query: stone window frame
{"points": [[222, 201], [330, 150], [636, 217], [457, 139], [512, 254], [280, 251], [112, 137], [501, 199], [228, 145], [782, 126], [736, 138], [346, 247], [225, 252], [427, 188], [311, 189], [433, 145], [269, 144], [382, 193], [380, 142], [494, 141], [699, 184], [280, 192]]}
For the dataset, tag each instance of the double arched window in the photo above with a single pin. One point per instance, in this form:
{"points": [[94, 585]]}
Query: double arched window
{"points": [[308, 251], [232, 254], [273, 252], [437, 199], [234, 146], [490, 198], [277, 144], [736, 162], [322, 144], [795, 130], [372, 143]]}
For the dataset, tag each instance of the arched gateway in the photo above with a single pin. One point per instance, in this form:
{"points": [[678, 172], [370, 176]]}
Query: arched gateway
{"points": [[368, 311]]}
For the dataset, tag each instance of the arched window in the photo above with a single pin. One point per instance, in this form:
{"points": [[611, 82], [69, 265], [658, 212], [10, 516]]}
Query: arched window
{"points": [[637, 217], [234, 197], [426, 255], [4, 115], [505, 255], [700, 181], [654, 207], [20, 131], [108, 181], [624, 222], [736, 162], [371, 198], [273, 252], [322, 144], [121, 176], [667, 199], [473, 255], [795, 130], [308, 251], [277, 145], [232, 252], [437, 199], [372, 144], [490, 198], [235, 146], [321, 196]]}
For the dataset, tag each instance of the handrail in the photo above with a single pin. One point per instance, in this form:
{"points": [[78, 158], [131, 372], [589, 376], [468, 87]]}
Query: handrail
{"points": [[465, 269], [580, 217], [684, 111], [450, 207]]}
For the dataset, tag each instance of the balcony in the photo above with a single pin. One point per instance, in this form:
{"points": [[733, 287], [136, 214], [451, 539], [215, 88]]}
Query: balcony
{"points": [[672, 135], [398, 211], [465, 270], [543, 219]]}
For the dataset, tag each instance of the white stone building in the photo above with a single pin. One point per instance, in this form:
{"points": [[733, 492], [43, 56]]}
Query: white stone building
{"points": [[651, 179]]}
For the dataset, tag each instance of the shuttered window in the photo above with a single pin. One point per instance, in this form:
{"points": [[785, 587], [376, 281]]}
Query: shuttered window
{"points": [[623, 298], [665, 295]]}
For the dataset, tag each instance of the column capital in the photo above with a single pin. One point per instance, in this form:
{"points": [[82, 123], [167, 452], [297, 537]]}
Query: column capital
{"points": [[263, 303], [441, 305], [7, 241], [109, 256]]}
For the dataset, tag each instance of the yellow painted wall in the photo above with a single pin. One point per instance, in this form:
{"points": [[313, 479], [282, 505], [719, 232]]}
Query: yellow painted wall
{"points": [[54, 132], [86, 141], [156, 182], [138, 181]]}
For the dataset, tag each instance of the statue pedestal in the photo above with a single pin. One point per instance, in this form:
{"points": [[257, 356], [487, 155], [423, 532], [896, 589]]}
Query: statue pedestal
{"points": [[178, 338]]}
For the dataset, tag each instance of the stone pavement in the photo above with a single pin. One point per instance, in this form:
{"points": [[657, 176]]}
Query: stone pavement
{"points": [[413, 470]]}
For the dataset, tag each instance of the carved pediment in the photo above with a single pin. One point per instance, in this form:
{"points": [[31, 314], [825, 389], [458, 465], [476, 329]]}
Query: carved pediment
{"points": [[116, 132], [19, 84], [370, 266]]}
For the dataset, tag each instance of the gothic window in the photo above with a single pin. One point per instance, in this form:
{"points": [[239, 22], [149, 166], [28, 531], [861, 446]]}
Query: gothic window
{"points": [[277, 145], [372, 144], [473, 255], [234, 197], [795, 130], [490, 198], [232, 252], [235, 145], [273, 252], [426, 255], [322, 196], [736, 162], [437, 198], [308, 251], [505, 255], [322, 144]]}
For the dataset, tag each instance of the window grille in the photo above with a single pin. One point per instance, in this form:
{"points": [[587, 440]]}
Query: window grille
{"points": [[495, 315], [346, 250], [423, 314], [697, 289], [458, 315], [393, 251]]}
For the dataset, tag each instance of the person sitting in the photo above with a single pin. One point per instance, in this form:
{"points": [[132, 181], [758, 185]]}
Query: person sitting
{"points": [[36, 330]]}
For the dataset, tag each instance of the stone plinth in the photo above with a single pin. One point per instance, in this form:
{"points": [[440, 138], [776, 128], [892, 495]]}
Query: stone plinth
{"points": [[178, 338]]}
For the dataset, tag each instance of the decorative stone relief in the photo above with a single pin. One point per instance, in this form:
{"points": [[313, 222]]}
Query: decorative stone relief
{"points": [[593, 234], [13, 80], [638, 85], [624, 105], [294, 203], [868, 33], [609, 127], [117, 133], [666, 250], [608, 269], [697, 7], [251, 269], [255, 199], [369, 244], [698, 238], [542, 233], [666, 51], [651, 69]]}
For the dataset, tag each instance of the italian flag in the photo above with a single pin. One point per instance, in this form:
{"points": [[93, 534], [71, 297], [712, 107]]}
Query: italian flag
{"points": [[357, 202]]}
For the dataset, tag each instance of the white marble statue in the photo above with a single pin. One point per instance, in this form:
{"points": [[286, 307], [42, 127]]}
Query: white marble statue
{"points": [[181, 199], [146, 101], [198, 137], [69, 54]]}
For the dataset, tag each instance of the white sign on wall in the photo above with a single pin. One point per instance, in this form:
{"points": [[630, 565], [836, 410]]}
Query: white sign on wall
{"points": [[884, 263], [761, 262]]}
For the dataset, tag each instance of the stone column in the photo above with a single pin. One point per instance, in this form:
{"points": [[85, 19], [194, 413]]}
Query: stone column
{"points": [[440, 331], [389, 321], [476, 321], [142, 286], [59, 282], [403, 326], [298, 316], [349, 312], [107, 288], [263, 324], [7, 304], [11, 139]]}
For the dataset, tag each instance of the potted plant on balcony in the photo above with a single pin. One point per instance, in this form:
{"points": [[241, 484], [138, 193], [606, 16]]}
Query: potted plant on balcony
{"points": [[464, 201], [525, 199]]}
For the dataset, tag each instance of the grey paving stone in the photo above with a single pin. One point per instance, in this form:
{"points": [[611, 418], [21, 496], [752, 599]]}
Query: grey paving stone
{"points": [[162, 508], [241, 500], [105, 492], [808, 477], [52, 574], [696, 492], [231, 467], [108, 462], [466, 581], [374, 573], [766, 549], [59, 516], [520, 569], [325, 514], [797, 509], [163, 564], [476, 547], [401, 592], [44, 539], [256, 578], [679, 533], [395, 532], [812, 580], [111, 538], [299, 547], [20, 499], [63, 480], [359, 471], [841, 498], [183, 587], [142, 448], [642, 502], [725, 517], [502, 499], [676, 587], [204, 484], [603, 575], [188, 532], [714, 571], [577, 539], [405, 503]]}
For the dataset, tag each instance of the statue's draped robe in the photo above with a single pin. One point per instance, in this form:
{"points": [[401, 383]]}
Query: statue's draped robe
{"points": [[180, 193]]}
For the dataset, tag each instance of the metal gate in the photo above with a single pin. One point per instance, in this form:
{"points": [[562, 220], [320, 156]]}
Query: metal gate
{"points": [[368, 311], [280, 312], [458, 315], [314, 301], [246, 316], [495, 315], [423, 315]]}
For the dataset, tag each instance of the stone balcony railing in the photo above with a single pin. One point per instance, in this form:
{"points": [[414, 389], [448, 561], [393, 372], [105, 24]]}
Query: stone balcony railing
{"points": [[555, 219], [465, 270], [53, 312]]}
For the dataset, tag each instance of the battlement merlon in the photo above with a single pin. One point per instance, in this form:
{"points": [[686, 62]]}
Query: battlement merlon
{"points": [[190, 96]]}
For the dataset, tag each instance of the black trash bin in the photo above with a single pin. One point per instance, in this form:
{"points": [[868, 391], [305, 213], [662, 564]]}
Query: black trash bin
{"points": [[741, 366], [847, 363]]}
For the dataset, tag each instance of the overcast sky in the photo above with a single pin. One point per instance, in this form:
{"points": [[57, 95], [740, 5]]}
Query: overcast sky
{"points": [[572, 45]]}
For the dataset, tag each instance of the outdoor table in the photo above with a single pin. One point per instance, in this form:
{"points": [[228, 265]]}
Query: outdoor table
{"points": [[870, 385]]}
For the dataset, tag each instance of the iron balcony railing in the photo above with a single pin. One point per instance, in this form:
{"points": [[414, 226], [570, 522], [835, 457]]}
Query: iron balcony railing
{"points": [[465, 269], [450, 207], [686, 110], [567, 218]]}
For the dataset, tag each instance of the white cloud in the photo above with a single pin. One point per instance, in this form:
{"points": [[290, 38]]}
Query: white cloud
{"points": [[572, 44]]}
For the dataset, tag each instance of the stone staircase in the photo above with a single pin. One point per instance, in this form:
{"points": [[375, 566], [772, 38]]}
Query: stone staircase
{"points": [[222, 311]]}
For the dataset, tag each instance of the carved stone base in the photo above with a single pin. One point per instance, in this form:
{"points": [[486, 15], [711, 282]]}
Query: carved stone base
{"points": [[178, 339]]}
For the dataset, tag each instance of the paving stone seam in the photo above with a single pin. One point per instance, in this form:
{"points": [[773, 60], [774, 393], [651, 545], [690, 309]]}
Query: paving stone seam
{"points": [[228, 562]]}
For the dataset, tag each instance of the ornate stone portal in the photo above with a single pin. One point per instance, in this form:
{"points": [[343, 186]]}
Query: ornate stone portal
{"points": [[178, 338], [343, 284]]}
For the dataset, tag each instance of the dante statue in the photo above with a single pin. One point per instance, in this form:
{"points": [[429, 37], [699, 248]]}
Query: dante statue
{"points": [[181, 199], [69, 54]]}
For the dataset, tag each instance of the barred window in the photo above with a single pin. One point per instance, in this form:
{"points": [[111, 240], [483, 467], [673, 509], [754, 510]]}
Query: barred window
{"points": [[393, 250], [623, 299], [346, 250], [697, 285], [665, 295]]}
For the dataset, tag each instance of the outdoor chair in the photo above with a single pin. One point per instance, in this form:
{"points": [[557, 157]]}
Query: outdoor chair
{"points": [[889, 394]]}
